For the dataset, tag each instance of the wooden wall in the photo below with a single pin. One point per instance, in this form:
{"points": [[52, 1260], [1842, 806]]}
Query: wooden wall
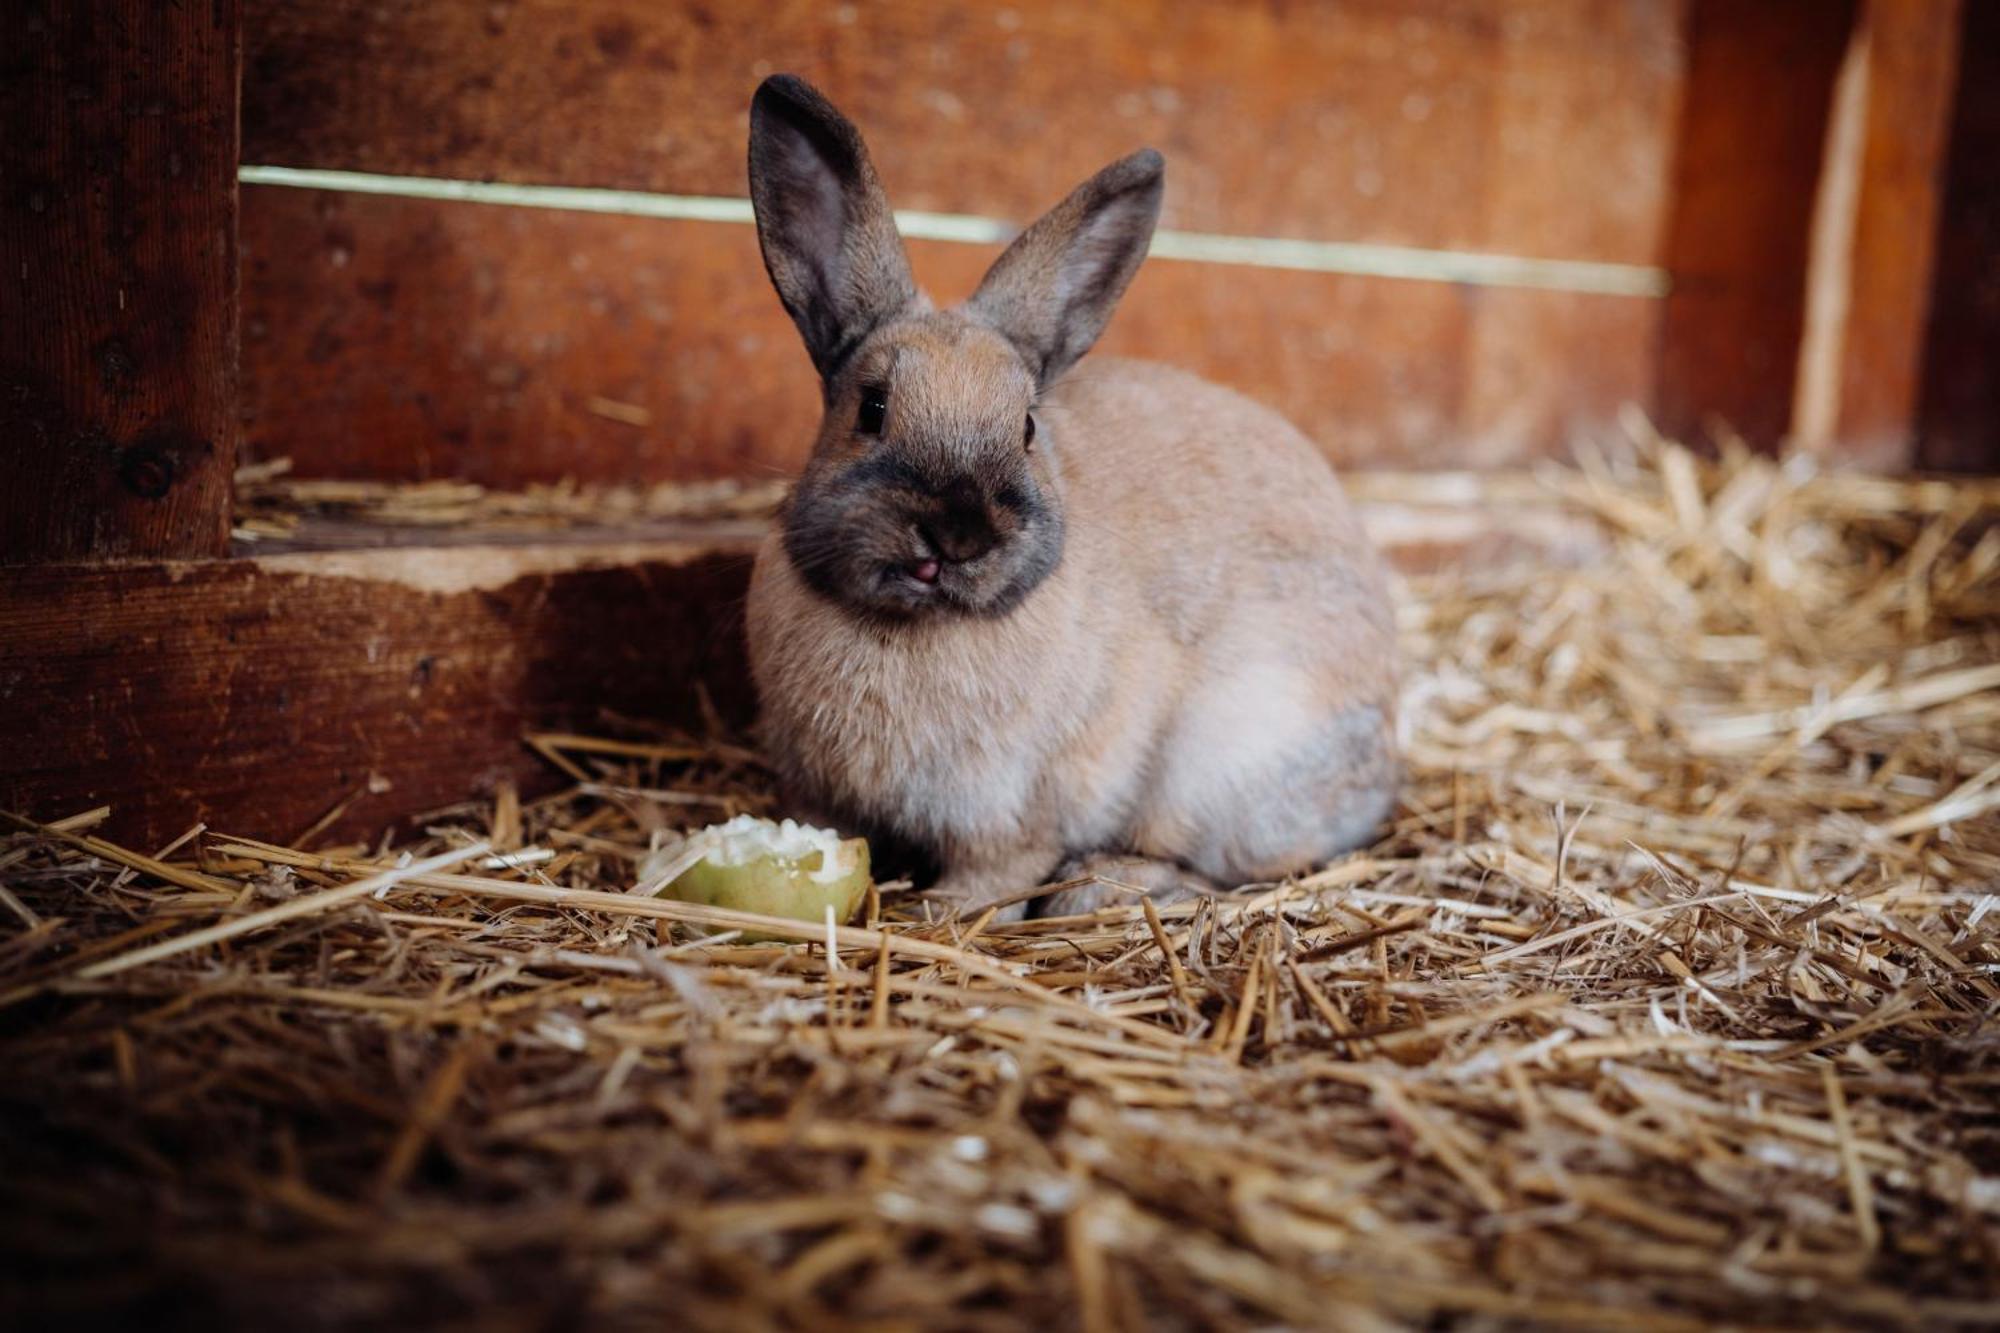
{"points": [[117, 280], [526, 344], [1910, 50], [270, 695], [1756, 95], [1959, 399], [1684, 138]]}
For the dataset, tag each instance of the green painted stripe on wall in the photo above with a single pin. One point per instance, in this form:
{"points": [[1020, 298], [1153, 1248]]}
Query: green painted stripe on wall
{"points": [[1354, 257]]}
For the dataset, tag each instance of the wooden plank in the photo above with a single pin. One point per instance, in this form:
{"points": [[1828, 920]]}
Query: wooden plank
{"points": [[1959, 415], [1752, 132], [1912, 71], [118, 151], [1540, 127], [394, 339], [405, 339], [257, 694], [1875, 237], [1545, 370]]}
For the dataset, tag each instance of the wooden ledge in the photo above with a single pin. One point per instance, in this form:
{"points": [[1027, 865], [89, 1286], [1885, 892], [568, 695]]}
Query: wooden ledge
{"points": [[258, 694]]}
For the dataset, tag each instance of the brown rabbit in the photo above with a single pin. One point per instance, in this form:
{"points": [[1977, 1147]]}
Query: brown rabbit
{"points": [[1017, 615]]}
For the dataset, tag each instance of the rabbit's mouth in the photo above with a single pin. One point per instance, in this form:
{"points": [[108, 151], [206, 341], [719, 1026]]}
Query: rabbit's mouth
{"points": [[924, 577], [927, 581], [935, 570], [901, 556]]}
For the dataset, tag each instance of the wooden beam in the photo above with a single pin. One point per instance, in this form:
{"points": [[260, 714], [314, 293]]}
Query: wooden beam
{"points": [[1753, 119], [1875, 234], [259, 694], [1959, 413], [1539, 128], [118, 155]]}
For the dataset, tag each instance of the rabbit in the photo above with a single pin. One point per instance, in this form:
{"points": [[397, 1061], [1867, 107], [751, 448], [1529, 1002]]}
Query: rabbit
{"points": [[1021, 614]]}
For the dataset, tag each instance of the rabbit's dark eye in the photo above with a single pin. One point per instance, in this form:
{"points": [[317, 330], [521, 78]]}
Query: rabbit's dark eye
{"points": [[1028, 433], [874, 409]]}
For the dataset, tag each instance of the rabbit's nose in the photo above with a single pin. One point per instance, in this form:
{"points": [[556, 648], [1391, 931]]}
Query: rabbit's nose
{"points": [[960, 534]]}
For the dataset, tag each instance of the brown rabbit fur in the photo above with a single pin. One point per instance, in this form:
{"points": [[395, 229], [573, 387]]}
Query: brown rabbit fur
{"points": [[1021, 616]]}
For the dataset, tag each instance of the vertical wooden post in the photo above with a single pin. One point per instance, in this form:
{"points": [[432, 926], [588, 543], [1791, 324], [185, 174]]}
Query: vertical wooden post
{"points": [[118, 155], [1875, 235], [1959, 413], [1753, 132]]}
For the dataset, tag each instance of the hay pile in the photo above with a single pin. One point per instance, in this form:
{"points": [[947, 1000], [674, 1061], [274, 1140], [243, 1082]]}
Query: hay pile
{"points": [[1670, 999]]}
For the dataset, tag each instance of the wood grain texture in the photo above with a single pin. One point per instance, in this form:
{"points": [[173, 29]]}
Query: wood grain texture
{"points": [[1542, 127], [256, 695], [1959, 411], [1912, 72], [1752, 134], [118, 155], [404, 339]]}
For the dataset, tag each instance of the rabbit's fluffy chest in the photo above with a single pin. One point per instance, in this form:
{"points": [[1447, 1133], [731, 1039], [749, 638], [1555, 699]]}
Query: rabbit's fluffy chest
{"points": [[932, 737], [943, 731]]}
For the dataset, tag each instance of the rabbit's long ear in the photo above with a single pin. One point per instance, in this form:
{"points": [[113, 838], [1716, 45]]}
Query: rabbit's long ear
{"points": [[1053, 290], [828, 236]]}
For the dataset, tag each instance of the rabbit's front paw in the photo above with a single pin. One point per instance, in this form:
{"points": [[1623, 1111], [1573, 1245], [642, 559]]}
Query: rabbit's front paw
{"points": [[1120, 881], [970, 887]]}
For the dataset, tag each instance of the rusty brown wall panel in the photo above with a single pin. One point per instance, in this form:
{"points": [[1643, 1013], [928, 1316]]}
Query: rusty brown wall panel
{"points": [[1874, 234], [1752, 133], [1959, 413], [1542, 127], [256, 695], [117, 278], [395, 339], [405, 339], [1912, 56]]}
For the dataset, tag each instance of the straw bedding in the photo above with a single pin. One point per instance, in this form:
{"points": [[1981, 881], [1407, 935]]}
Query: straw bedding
{"points": [[1669, 1000]]}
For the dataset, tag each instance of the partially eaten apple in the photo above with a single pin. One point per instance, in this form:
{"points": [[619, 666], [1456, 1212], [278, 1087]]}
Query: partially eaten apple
{"points": [[782, 869]]}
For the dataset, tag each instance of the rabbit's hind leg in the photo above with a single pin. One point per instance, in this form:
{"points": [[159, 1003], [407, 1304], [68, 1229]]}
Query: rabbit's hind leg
{"points": [[1326, 793]]}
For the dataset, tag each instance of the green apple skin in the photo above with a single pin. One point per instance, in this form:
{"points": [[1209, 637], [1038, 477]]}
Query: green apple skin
{"points": [[776, 886]]}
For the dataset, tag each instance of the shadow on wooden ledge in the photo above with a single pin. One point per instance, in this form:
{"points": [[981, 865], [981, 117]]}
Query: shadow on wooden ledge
{"points": [[259, 695]]}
